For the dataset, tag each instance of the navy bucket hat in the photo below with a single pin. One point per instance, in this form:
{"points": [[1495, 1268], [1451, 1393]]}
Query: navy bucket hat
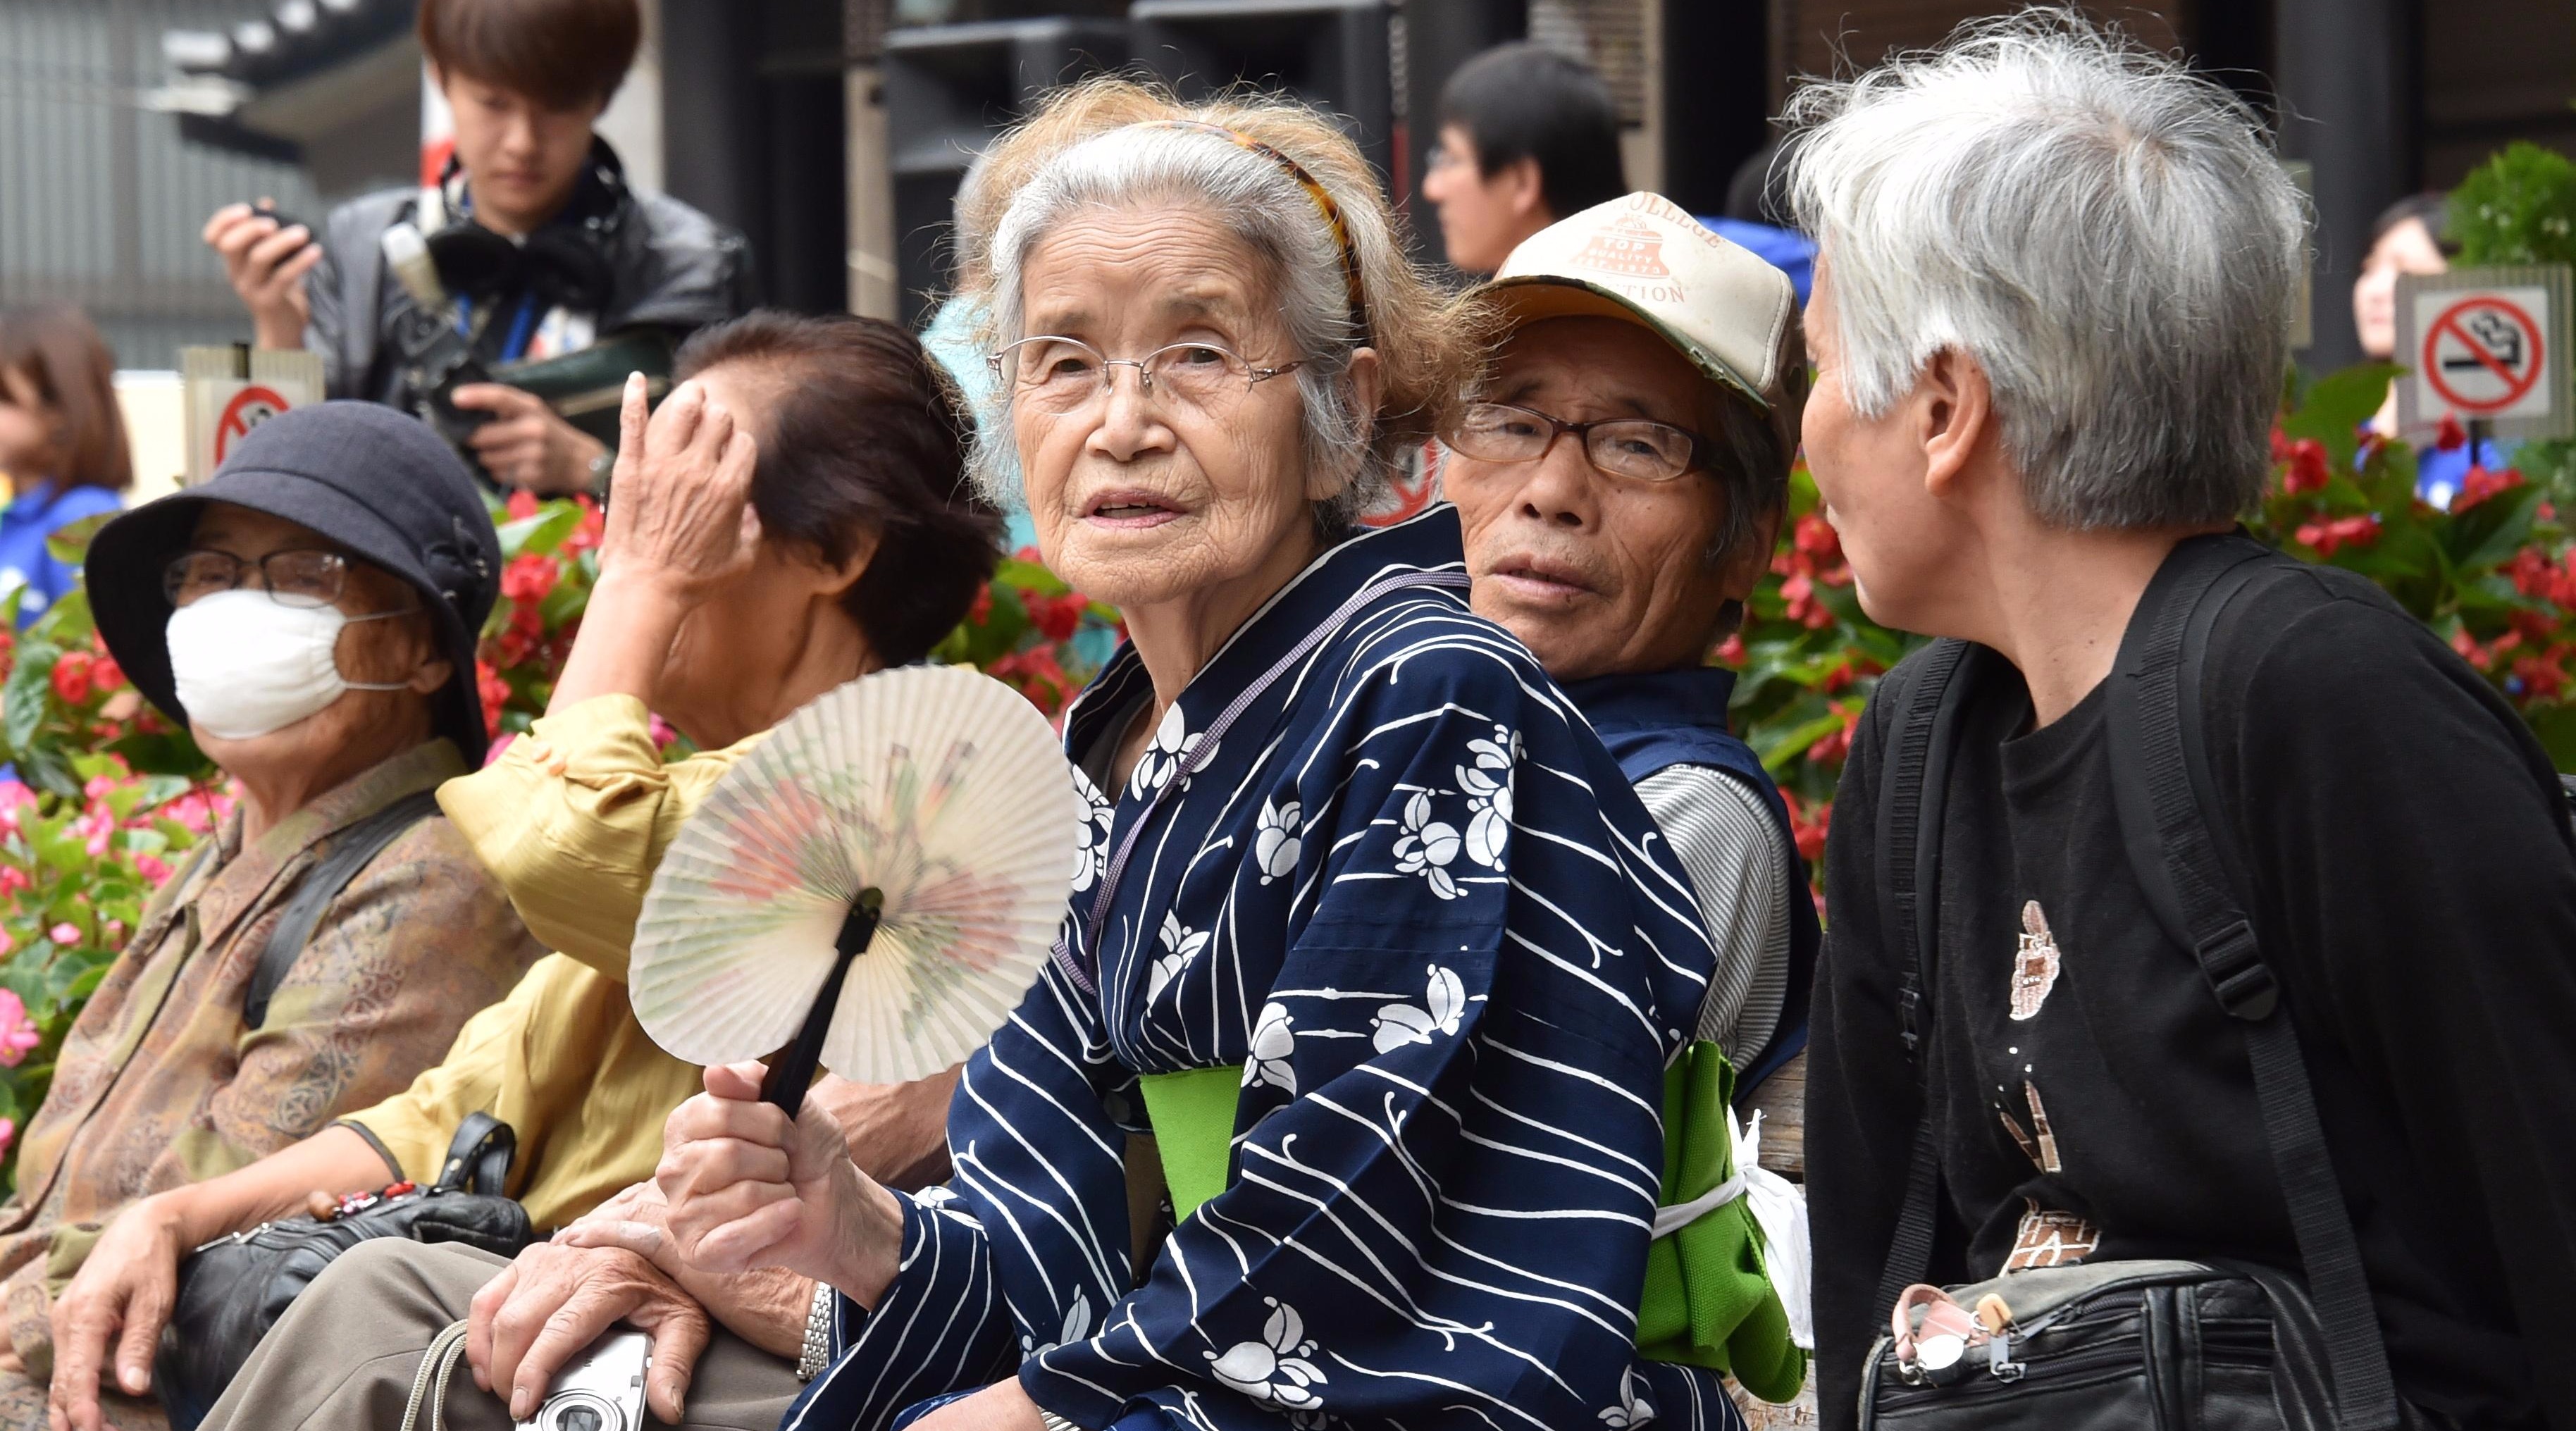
{"points": [[375, 481]]}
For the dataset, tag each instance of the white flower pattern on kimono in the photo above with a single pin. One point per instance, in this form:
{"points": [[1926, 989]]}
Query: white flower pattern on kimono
{"points": [[1442, 1004], [1427, 847], [1633, 1410], [1488, 786], [1090, 833], [1275, 844], [1181, 944], [1274, 1369], [1273, 1041], [1173, 743], [1077, 1325]]}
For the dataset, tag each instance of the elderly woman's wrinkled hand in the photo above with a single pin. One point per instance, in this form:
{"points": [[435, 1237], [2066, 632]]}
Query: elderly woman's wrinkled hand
{"points": [[746, 1187], [765, 1307], [680, 496], [554, 1301]]}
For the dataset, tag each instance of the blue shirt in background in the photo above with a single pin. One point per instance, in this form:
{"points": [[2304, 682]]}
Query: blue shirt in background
{"points": [[2439, 472], [25, 524], [1790, 252]]}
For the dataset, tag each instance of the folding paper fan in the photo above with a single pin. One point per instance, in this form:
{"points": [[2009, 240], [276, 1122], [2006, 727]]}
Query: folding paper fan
{"points": [[878, 882]]}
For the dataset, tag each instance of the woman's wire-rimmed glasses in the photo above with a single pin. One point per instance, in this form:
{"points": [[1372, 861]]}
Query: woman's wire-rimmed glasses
{"points": [[296, 578], [1634, 447], [1061, 374]]}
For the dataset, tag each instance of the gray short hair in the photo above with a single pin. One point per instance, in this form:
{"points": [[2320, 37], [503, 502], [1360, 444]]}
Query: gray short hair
{"points": [[1257, 201], [2106, 234]]}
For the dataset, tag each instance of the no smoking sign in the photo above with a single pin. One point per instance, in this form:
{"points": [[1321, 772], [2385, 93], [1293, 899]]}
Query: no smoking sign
{"points": [[2486, 345]]}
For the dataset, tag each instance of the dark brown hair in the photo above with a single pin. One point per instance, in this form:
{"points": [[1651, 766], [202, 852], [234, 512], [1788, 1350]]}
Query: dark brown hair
{"points": [[561, 53], [54, 347], [862, 434]]}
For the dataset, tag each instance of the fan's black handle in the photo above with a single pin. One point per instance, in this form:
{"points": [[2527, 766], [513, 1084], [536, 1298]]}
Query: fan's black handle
{"points": [[784, 1087]]}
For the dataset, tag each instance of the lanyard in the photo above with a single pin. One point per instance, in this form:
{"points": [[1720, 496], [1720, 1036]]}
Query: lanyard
{"points": [[1204, 749], [516, 344]]}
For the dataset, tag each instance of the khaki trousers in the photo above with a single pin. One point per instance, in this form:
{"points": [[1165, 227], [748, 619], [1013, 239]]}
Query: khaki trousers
{"points": [[343, 1357]]}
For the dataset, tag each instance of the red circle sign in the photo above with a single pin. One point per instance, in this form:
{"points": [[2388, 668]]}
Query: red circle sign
{"points": [[249, 408], [2482, 355]]}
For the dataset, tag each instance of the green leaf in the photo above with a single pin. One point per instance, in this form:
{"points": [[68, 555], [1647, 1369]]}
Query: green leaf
{"points": [[2336, 407], [540, 534], [69, 543], [563, 605], [28, 691]]}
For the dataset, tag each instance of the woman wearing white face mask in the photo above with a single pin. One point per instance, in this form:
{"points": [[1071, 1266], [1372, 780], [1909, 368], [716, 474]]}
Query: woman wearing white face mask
{"points": [[310, 615]]}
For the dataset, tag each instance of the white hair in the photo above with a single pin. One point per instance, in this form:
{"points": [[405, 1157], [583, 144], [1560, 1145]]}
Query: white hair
{"points": [[2106, 234], [1256, 200]]}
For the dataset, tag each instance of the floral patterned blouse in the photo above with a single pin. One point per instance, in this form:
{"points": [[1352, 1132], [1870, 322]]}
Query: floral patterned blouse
{"points": [[1413, 898]]}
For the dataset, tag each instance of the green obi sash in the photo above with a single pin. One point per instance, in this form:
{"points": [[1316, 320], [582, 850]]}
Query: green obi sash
{"points": [[1707, 1302]]}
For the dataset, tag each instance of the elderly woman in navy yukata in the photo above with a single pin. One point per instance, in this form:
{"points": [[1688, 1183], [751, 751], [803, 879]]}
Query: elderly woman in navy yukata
{"points": [[1620, 478], [1373, 935]]}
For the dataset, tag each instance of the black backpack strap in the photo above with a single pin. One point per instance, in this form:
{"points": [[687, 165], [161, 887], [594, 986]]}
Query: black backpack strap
{"points": [[2166, 798], [322, 883], [1911, 796]]}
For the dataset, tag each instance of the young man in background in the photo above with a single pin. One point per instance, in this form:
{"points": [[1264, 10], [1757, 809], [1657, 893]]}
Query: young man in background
{"points": [[1527, 137], [535, 234]]}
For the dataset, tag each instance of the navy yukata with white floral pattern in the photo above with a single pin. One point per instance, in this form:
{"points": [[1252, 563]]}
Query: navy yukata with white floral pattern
{"points": [[1415, 899]]}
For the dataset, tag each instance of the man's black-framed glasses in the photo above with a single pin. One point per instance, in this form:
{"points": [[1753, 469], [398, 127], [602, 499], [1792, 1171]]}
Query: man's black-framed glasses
{"points": [[296, 578], [1634, 447]]}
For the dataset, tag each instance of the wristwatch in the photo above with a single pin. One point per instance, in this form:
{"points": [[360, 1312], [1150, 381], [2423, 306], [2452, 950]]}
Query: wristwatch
{"points": [[817, 1352], [1053, 1422]]}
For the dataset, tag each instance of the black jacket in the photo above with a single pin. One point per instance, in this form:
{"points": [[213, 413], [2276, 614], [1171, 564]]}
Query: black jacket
{"points": [[673, 269], [2406, 855]]}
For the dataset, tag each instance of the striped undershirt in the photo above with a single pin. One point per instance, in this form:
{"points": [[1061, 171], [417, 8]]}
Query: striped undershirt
{"points": [[1738, 864]]}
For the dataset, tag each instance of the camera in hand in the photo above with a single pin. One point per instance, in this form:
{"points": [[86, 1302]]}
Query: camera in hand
{"points": [[603, 1390]]}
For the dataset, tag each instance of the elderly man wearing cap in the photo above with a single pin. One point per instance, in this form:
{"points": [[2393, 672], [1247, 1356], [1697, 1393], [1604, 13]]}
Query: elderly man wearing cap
{"points": [[311, 615], [1619, 484]]}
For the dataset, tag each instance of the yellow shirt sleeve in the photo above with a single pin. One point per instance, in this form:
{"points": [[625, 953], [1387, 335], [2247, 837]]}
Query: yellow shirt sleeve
{"points": [[573, 818]]}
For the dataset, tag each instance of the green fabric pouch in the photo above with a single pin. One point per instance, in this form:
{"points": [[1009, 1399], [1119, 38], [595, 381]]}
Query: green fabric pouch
{"points": [[1707, 1301]]}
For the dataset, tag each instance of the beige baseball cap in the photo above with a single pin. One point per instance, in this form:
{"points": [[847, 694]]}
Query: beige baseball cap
{"points": [[1640, 259]]}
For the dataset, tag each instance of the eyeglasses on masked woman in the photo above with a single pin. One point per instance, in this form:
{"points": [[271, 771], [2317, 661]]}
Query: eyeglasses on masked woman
{"points": [[1637, 448], [307, 578], [1059, 374]]}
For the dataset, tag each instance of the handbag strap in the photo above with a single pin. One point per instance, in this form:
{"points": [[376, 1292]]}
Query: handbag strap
{"points": [[2162, 784], [1204, 749], [321, 883], [479, 1156], [1911, 800]]}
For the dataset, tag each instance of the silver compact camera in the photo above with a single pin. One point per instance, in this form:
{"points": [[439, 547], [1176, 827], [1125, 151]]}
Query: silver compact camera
{"points": [[602, 1391]]}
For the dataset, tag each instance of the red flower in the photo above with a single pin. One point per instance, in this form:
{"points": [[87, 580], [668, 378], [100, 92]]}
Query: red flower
{"points": [[1037, 674], [586, 533], [1057, 617], [1800, 592], [980, 610], [2449, 437], [2544, 676], [105, 675], [2481, 484], [521, 506], [1817, 538], [1833, 747], [72, 677], [527, 579], [2306, 470], [2326, 537], [1809, 825], [495, 693], [1730, 652]]}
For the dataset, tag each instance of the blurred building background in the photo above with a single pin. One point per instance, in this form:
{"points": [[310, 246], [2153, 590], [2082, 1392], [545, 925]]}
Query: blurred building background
{"points": [[835, 132]]}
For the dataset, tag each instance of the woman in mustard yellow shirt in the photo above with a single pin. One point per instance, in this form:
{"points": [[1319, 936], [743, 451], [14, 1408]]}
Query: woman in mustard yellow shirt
{"points": [[793, 517]]}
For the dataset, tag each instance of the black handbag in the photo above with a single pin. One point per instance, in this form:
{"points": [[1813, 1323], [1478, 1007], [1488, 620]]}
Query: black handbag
{"points": [[2187, 1345], [233, 1289]]}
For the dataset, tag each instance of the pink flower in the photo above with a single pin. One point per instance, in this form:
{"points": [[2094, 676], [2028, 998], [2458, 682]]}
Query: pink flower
{"points": [[18, 1034], [100, 787], [12, 879], [14, 797], [66, 934], [151, 869], [8, 1133]]}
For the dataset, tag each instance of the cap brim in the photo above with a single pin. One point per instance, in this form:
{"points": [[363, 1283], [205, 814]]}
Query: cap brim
{"points": [[126, 558], [1541, 296]]}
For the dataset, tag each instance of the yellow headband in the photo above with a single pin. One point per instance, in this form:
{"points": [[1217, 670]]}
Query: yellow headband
{"points": [[1315, 191]]}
